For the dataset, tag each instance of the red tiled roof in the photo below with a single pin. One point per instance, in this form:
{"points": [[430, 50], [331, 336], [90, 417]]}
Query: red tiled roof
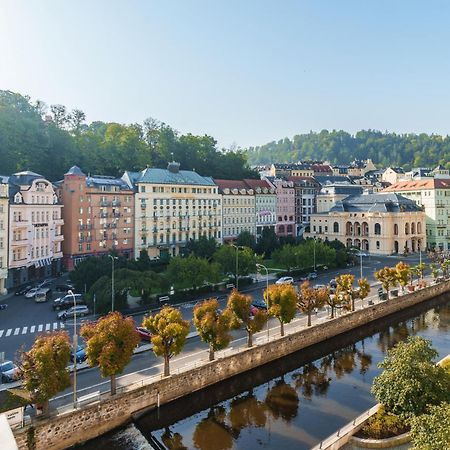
{"points": [[434, 183], [253, 184], [230, 184]]}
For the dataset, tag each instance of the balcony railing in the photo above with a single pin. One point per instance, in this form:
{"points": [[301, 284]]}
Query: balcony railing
{"points": [[104, 203], [115, 203], [103, 215]]}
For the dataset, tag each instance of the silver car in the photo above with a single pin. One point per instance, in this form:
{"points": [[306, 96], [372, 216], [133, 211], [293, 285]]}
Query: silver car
{"points": [[80, 311], [9, 372]]}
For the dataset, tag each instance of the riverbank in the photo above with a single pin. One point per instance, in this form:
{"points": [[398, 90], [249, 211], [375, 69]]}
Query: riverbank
{"points": [[62, 431]]}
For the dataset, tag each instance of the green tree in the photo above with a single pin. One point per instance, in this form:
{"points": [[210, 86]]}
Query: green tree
{"points": [[225, 256], [281, 303], [240, 307], [310, 299], [169, 332], [267, 242], [44, 367], [403, 271], [110, 343], [286, 256], [203, 247], [246, 239], [431, 431], [212, 325], [410, 379]]}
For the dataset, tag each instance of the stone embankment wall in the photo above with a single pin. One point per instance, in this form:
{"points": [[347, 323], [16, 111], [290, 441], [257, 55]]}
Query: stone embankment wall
{"points": [[93, 420]]}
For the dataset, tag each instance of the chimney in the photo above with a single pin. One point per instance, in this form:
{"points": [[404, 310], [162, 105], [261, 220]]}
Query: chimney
{"points": [[173, 167]]}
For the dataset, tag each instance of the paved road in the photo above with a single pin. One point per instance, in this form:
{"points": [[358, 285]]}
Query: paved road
{"points": [[24, 318]]}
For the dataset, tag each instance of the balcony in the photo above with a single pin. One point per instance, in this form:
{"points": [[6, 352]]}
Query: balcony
{"points": [[103, 215], [116, 214], [59, 221], [19, 243], [89, 239], [115, 203], [59, 237], [143, 206], [81, 240], [105, 203]]}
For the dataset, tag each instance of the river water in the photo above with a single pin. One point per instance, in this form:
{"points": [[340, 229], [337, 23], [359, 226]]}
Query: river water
{"points": [[292, 403]]}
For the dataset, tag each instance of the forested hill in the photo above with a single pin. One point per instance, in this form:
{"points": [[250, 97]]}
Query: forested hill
{"points": [[49, 140], [385, 149]]}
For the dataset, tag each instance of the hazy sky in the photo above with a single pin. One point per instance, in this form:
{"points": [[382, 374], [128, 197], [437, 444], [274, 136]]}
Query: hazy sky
{"points": [[244, 71]]}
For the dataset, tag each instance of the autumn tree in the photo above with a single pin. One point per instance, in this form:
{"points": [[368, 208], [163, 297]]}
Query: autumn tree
{"points": [[334, 302], [420, 269], [169, 332], [44, 367], [110, 343], [281, 303], [240, 306], [345, 291], [212, 325], [403, 271], [363, 288], [387, 276], [309, 299]]}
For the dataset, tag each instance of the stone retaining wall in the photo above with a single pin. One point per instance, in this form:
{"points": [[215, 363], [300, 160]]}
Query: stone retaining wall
{"points": [[93, 420]]}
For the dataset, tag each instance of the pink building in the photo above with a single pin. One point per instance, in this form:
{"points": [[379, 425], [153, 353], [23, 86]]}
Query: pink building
{"points": [[285, 225]]}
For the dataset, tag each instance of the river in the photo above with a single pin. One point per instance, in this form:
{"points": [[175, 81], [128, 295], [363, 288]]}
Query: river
{"points": [[290, 404]]}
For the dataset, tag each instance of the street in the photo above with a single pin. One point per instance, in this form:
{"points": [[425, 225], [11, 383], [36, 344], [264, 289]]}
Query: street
{"points": [[24, 319]]}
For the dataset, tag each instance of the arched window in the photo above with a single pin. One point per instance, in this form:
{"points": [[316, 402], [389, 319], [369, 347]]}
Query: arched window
{"points": [[419, 227], [406, 228], [281, 229], [395, 229], [413, 228], [377, 228], [335, 227]]}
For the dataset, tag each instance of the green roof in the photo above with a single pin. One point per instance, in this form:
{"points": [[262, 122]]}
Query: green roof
{"points": [[165, 176]]}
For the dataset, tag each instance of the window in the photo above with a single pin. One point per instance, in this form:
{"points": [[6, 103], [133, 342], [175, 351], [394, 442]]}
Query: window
{"points": [[395, 229], [335, 227], [377, 228]]}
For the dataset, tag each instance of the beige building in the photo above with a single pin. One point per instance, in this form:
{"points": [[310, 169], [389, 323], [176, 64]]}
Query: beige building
{"points": [[4, 225], [238, 208], [393, 175], [171, 207], [433, 195], [384, 224], [35, 229], [330, 194]]}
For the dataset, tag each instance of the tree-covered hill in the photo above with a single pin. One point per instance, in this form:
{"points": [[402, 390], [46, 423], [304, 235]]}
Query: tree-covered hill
{"points": [[50, 140], [385, 149]]}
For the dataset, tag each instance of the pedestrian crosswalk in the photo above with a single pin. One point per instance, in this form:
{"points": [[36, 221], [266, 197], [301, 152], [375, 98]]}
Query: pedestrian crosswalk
{"points": [[42, 327]]}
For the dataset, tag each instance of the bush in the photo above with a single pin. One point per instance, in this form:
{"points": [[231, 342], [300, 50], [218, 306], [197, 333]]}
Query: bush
{"points": [[446, 365], [384, 425]]}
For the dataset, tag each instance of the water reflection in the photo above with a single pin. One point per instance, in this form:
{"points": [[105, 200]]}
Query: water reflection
{"points": [[294, 402]]}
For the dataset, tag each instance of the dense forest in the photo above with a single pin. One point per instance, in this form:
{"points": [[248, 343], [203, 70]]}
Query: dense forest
{"points": [[385, 149], [49, 140]]}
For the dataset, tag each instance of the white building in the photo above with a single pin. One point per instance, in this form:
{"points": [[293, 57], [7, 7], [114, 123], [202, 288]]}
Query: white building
{"points": [[4, 225]]}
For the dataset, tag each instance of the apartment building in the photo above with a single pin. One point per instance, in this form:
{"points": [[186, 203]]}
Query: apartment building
{"points": [[433, 195], [173, 206], [383, 223], [306, 189], [4, 221], [35, 228], [238, 208], [285, 225], [265, 204], [98, 216]]}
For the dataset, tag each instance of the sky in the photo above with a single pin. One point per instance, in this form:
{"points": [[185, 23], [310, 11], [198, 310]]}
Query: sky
{"points": [[244, 71]]}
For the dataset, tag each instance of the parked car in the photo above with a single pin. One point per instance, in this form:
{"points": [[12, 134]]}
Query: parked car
{"points": [[143, 333], [43, 295], [80, 354], [80, 311], [67, 301], [31, 293], [319, 286], [23, 290], [285, 280], [64, 287], [260, 304], [9, 372], [332, 283], [312, 275], [44, 284]]}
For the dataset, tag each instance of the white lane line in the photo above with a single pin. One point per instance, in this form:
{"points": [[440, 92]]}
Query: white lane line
{"points": [[16, 331], [61, 325], [55, 325], [40, 327], [8, 333], [1, 333], [47, 327], [32, 329], [24, 330]]}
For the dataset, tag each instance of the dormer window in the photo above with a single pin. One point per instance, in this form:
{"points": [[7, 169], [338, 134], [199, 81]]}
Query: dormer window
{"points": [[18, 198]]}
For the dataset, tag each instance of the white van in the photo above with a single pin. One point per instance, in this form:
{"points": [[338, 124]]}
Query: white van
{"points": [[43, 295]]}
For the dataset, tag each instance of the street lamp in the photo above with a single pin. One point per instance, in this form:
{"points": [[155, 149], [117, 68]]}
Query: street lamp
{"points": [[361, 263], [237, 247], [75, 348], [112, 280], [314, 252], [261, 266]]}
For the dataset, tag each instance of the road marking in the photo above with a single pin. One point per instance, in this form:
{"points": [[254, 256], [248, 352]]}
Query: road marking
{"points": [[40, 327], [24, 330], [31, 329], [16, 331], [55, 325], [1, 333], [47, 327], [8, 333]]}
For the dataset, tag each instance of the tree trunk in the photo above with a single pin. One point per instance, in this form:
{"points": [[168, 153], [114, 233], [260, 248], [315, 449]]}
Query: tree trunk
{"points": [[281, 328], [166, 366], [45, 408], [249, 338], [113, 385], [309, 317], [353, 303], [332, 312], [211, 353]]}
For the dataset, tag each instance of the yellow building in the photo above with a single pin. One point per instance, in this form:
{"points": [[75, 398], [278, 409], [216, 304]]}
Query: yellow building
{"points": [[4, 220], [173, 206], [383, 223]]}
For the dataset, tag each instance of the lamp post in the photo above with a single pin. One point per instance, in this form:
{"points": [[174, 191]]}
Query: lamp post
{"points": [[75, 348], [112, 281], [237, 247], [261, 266], [361, 263], [314, 252]]}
